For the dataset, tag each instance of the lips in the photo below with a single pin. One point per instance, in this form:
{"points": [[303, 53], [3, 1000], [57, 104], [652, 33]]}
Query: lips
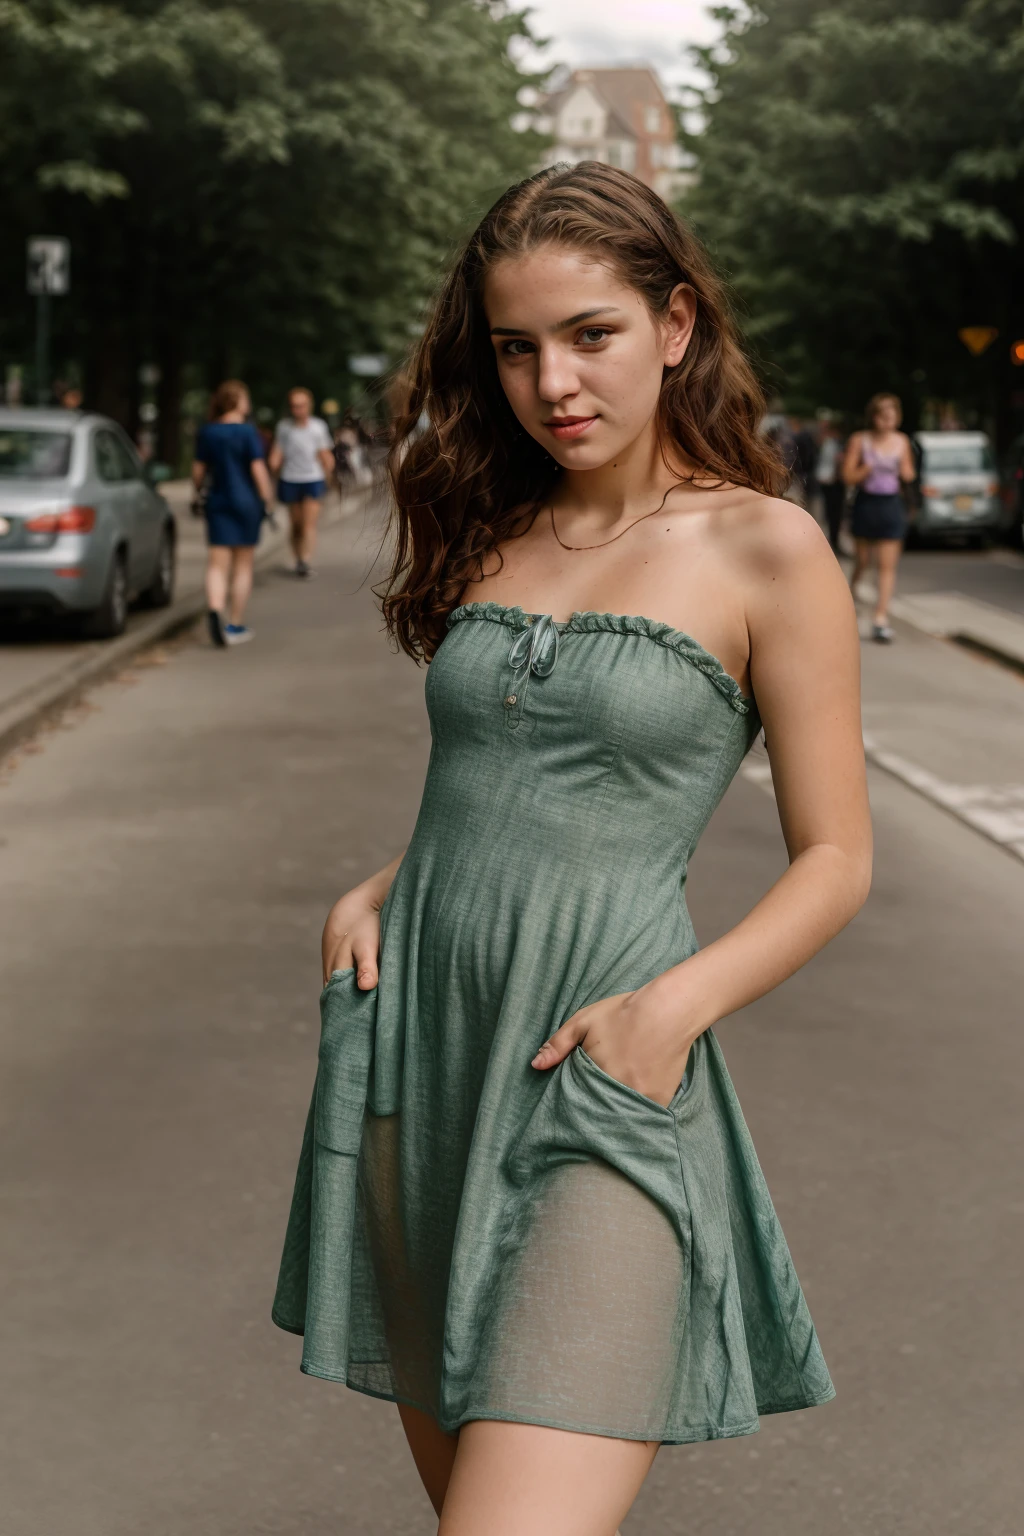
{"points": [[565, 428]]}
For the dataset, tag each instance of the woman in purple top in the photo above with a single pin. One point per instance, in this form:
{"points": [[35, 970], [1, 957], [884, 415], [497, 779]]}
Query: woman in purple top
{"points": [[878, 462]]}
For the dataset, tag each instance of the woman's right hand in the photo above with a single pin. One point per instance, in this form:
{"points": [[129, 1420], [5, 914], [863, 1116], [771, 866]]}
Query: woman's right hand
{"points": [[351, 939]]}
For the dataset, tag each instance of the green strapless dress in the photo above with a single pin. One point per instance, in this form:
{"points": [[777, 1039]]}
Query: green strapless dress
{"points": [[486, 1241]]}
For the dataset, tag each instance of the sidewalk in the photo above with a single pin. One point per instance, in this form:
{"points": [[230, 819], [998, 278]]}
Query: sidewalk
{"points": [[44, 671], [945, 722]]}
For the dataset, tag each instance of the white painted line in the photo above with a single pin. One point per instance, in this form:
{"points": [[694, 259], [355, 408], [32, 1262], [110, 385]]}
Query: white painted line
{"points": [[994, 810]]}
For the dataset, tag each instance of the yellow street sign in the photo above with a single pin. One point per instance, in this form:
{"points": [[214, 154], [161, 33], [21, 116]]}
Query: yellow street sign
{"points": [[976, 338]]}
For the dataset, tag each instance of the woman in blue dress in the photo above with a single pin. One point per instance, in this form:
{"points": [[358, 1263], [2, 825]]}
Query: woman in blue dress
{"points": [[229, 458]]}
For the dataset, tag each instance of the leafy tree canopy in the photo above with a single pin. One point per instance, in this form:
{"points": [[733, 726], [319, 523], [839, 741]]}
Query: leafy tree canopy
{"points": [[862, 176], [261, 187]]}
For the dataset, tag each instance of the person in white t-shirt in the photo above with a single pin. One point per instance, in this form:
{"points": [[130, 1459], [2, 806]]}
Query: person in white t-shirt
{"points": [[303, 458]]}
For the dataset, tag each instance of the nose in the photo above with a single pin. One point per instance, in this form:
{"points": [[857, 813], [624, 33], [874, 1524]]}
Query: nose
{"points": [[557, 378]]}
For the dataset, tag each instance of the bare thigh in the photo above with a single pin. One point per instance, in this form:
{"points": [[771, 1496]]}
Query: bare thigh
{"points": [[887, 554], [432, 1450], [526, 1480]]}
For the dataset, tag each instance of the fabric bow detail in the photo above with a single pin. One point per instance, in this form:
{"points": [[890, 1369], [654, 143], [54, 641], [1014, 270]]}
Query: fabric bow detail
{"points": [[536, 648]]}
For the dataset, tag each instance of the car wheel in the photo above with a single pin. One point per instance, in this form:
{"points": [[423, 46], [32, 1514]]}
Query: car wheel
{"points": [[110, 617], [160, 592]]}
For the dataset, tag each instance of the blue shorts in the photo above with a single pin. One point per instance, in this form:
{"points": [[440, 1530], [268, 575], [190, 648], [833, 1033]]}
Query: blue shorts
{"points": [[300, 490]]}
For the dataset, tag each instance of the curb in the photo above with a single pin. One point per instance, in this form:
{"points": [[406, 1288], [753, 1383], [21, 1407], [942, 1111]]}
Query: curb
{"points": [[27, 710]]}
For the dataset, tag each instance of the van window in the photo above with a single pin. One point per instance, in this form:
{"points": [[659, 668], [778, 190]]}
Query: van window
{"points": [[958, 459]]}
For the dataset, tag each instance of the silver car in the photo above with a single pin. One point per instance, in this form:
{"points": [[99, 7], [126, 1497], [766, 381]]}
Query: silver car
{"points": [[957, 486], [81, 530]]}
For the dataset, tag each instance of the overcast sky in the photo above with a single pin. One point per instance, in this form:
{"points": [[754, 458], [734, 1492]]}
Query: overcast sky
{"points": [[616, 31]]}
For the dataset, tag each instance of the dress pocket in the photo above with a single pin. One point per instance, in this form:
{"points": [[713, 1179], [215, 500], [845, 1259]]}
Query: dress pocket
{"points": [[347, 1021], [682, 1092]]}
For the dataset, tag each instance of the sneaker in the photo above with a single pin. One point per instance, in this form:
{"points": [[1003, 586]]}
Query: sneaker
{"points": [[215, 624], [302, 570], [237, 634], [883, 634]]}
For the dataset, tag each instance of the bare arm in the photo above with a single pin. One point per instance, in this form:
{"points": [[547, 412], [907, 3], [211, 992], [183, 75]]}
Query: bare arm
{"points": [[261, 479], [805, 671], [908, 469], [275, 458], [854, 468], [326, 458], [198, 473], [352, 931]]}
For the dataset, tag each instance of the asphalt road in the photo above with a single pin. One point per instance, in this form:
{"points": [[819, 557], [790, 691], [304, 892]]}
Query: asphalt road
{"points": [[168, 855]]}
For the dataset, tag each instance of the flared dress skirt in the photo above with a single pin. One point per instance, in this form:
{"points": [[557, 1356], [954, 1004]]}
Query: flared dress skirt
{"points": [[485, 1241]]}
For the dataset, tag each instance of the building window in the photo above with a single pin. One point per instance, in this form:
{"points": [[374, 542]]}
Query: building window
{"points": [[652, 119]]}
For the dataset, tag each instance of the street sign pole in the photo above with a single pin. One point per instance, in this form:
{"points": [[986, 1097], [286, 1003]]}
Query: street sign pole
{"points": [[43, 348], [48, 272]]}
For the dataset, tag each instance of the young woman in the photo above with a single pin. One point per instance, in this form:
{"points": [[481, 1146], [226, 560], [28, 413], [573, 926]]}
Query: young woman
{"points": [[877, 462], [303, 456], [528, 1209], [229, 456]]}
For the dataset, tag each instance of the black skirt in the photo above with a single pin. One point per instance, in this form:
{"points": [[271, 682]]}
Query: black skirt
{"points": [[878, 517]]}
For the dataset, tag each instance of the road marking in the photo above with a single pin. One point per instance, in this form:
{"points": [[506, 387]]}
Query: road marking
{"points": [[994, 810]]}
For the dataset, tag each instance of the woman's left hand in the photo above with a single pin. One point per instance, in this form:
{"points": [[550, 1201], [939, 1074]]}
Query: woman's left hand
{"points": [[641, 1038]]}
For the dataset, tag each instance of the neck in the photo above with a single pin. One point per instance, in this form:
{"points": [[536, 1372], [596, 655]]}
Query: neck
{"points": [[628, 486], [232, 417]]}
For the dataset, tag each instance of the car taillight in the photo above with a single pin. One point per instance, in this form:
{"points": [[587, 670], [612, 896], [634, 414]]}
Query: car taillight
{"points": [[71, 520]]}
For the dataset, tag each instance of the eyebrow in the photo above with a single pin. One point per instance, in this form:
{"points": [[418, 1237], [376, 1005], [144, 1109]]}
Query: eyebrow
{"points": [[561, 325]]}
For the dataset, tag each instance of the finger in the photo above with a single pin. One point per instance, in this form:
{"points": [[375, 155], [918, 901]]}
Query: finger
{"points": [[364, 959], [336, 954], [558, 1046]]}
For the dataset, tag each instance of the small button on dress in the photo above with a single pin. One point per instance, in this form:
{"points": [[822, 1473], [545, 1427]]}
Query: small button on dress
{"points": [[485, 1241]]}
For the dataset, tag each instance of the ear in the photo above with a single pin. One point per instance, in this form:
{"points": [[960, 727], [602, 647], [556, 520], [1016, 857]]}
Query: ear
{"points": [[677, 325]]}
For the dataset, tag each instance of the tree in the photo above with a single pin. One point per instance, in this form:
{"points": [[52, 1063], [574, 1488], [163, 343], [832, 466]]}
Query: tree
{"points": [[862, 176], [258, 188]]}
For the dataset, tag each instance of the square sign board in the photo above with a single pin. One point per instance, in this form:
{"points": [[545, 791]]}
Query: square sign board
{"points": [[49, 265]]}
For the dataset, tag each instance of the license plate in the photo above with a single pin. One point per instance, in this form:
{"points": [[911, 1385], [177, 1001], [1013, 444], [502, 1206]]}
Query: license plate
{"points": [[963, 503]]}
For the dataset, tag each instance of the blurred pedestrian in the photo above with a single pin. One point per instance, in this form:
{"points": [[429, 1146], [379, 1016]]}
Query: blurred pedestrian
{"points": [[350, 453], [878, 462], [805, 458], [229, 462], [303, 458], [828, 475]]}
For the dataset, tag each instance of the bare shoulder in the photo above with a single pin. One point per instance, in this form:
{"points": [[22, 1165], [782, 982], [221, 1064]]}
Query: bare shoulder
{"points": [[766, 537]]}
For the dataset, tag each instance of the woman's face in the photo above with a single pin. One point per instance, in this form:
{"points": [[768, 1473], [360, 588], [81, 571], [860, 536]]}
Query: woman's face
{"points": [[580, 357], [886, 417], [299, 406]]}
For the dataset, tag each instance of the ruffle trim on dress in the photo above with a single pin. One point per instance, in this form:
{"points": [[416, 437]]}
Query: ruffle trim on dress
{"points": [[676, 640]]}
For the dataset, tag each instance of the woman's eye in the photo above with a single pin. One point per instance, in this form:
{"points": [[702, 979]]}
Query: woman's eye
{"points": [[593, 334], [517, 348]]}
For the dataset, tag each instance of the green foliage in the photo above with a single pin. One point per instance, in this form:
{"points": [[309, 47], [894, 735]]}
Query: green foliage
{"points": [[261, 187], [862, 177]]}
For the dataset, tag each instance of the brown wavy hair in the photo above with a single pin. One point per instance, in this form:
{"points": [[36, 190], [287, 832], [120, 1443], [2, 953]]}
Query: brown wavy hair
{"points": [[227, 397], [462, 484]]}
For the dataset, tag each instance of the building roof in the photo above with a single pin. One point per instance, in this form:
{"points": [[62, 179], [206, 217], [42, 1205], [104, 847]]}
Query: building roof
{"points": [[618, 126], [623, 87]]}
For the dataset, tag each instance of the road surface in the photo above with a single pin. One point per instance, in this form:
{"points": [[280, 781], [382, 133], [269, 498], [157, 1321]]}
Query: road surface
{"points": [[168, 856]]}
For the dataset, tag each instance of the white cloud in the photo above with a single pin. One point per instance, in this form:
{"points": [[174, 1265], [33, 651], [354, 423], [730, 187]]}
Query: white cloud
{"points": [[622, 31]]}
